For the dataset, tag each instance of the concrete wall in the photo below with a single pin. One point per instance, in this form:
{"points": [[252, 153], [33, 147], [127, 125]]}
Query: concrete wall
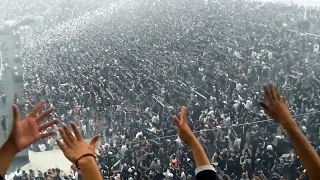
{"points": [[49, 159]]}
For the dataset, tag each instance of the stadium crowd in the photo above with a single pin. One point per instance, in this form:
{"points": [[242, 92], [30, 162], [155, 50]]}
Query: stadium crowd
{"points": [[124, 68], [82, 154]]}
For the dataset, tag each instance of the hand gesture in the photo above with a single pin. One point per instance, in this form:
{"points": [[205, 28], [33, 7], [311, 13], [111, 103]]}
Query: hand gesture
{"points": [[74, 145], [27, 131], [276, 106], [185, 133]]}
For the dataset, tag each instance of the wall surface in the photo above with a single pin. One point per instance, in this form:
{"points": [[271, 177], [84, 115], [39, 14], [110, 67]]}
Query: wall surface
{"points": [[49, 159]]}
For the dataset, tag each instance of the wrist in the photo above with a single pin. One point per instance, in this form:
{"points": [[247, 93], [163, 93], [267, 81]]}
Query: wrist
{"points": [[8, 149], [86, 160], [289, 124], [193, 142], [7, 154]]}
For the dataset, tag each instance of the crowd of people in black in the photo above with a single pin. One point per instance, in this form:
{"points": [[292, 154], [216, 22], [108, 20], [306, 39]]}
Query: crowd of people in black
{"points": [[124, 68]]}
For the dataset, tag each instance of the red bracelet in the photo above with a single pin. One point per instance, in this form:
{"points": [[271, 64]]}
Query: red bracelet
{"points": [[82, 157]]}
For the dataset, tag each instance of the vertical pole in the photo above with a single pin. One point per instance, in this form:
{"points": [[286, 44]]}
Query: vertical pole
{"points": [[1, 65]]}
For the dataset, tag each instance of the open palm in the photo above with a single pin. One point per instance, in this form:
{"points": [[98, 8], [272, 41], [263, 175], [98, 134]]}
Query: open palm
{"points": [[27, 131]]}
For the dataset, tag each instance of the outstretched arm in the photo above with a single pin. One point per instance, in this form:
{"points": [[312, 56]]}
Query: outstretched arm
{"points": [[79, 152], [204, 169], [23, 133], [308, 156], [277, 109]]}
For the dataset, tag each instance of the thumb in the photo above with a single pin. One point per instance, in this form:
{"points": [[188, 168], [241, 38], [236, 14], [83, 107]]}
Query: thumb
{"points": [[176, 121], [264, 105], [61, 146], [94, 140], [16, 113]]}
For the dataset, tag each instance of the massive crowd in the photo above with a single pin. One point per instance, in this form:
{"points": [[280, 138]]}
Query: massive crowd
{"points": [[123, 69]]}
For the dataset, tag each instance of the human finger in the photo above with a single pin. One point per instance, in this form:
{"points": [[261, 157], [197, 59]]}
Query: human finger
{"points": [[76, 131], [283, 98], [16, 113], [176, 121], [271, 92], [276, 92], [65, 138], [68, 133], [37, 108], [61, 145], [183, 115], [266, 93], [47, 125], [48, 134], [263, 105], [94, 140], [44, 115]]}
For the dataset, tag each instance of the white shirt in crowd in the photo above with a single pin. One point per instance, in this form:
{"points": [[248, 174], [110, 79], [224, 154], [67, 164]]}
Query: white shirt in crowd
{"points": [[183, 176], [211, 112], [316, 48], [248, 104], [18, 174], [238, 87], [51, 141], [84, 129], [139, 134], [75, 175], [178, 141], [155, 119], [236, 104], [123, 149]]}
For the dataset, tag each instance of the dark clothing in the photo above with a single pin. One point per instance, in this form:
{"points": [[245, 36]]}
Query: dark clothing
{"points": [[206, 175]]}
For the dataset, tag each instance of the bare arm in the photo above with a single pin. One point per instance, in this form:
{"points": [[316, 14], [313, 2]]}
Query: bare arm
{"points": [[6, 157], [89, 168], [277, 108], [204, 169], [199, 155], [21, 136], [308, 156], [80, 152]]}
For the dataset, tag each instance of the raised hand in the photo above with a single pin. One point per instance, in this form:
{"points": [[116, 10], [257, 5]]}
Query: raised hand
{"points": [[276, 106], [185, 133], [75, 146], [27, 131]]}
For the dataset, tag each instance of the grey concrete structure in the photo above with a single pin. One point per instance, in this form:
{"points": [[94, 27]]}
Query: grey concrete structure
{"points": [[9, 87]]}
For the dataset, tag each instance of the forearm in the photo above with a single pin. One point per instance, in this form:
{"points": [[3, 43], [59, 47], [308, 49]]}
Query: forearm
{"points": [[6, 156], [199, 155], [308, 156], [89, 168], [228, 177]]}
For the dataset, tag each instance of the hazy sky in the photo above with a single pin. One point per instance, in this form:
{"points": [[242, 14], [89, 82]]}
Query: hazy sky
{"points": [[306, 2]]}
